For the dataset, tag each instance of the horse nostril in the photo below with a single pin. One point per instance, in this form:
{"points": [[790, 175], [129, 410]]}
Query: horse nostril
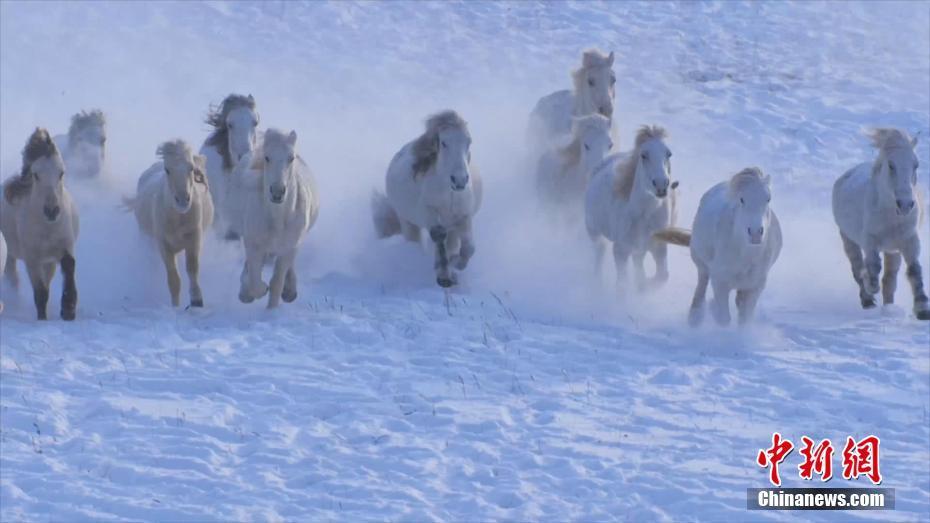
{"points": [[761, 231]]}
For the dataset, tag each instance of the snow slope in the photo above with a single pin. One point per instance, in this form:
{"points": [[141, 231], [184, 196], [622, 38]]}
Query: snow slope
{"points": [[530, 392]]}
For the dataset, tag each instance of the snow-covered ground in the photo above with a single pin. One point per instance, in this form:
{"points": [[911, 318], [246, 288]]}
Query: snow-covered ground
{"points": [[531, 392]]}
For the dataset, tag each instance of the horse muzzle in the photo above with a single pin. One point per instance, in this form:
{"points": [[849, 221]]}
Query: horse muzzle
{"points": [[904, 207], [276, 194], [459, 185], [756, 236], [52, 213]]}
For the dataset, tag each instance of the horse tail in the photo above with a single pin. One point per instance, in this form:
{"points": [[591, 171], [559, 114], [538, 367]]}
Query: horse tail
{"points": [[674, 236], [387, 223]]}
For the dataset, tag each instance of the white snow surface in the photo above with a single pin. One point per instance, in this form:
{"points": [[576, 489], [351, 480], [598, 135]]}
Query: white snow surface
{"points": [[530, 392]]}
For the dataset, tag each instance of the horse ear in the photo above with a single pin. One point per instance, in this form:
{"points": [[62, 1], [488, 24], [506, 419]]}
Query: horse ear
{"points": [[914, 139], [292, 138], [200, 162], [610, 59], [250, 98], [675, 184], [767, 179]]}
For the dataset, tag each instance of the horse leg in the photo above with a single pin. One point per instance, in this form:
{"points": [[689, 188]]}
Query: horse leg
{"points": [[467, 248], [890, 278], [872, 270], [639, 270], [746, 300], [911, 254], [410, 231], [600, 248], [696, 314], [659, 252], [171, 269], [39, 288], [282, 264], [444, 277], [720, 307], [854, 253], [289, 293], [69, 294], [12, 274], [251, 285], [621, 255], [192, 264]]}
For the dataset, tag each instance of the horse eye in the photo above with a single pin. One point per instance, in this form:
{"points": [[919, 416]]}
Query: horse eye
{"points": [[644, 156], [668, 154], [267, 160], [890, 167], [442, 143], [61, 174], [230, 125], [254, 123], [591, 82], [613, 80], [742, 202], [610, 145], [103, 141], [586, 148], [290, 158]]}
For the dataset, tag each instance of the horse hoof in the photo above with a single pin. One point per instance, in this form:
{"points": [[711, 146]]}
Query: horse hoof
{"points": [[197, 303], [41, 317], [446, 282], [68, 314], [288, 295], [868, 303], [245, 298], [230, 236], [922, 315]]}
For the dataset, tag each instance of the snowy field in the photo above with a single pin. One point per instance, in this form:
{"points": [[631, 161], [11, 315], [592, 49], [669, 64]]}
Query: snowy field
{"points": [[531, 391]]}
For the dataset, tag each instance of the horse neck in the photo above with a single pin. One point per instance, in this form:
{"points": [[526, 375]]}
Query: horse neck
{"points": [[582, 103]]}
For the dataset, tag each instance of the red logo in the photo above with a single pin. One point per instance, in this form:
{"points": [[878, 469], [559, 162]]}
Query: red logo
{"points": [[859, 458], [774, 455], [819, 460]]}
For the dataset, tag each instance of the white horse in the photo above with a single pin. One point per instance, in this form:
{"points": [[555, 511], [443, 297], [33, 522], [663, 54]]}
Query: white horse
{"points": [[281, 205], [431, 185], [234, 135], [630, 197], [174, 207], [735, 240], [593, 93], [84, 147], [562, 175], [40, 223], [878, 209]]}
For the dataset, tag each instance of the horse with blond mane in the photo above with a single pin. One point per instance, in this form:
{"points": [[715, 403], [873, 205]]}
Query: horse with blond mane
{"points": [[40, 224], [592, 93], [735, 240], [630, 197], [431, 185], [878, 209], [281, 205], [174, 207]]}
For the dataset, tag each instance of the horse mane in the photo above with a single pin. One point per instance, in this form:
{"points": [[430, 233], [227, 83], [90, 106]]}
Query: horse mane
{"points": [[626, 169], [174, 149], [590, 59], [746, 178], [885, 138], [426, 147], [39, 145], [272, 136], [216, 117], [83, 120], [571, 153]]}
